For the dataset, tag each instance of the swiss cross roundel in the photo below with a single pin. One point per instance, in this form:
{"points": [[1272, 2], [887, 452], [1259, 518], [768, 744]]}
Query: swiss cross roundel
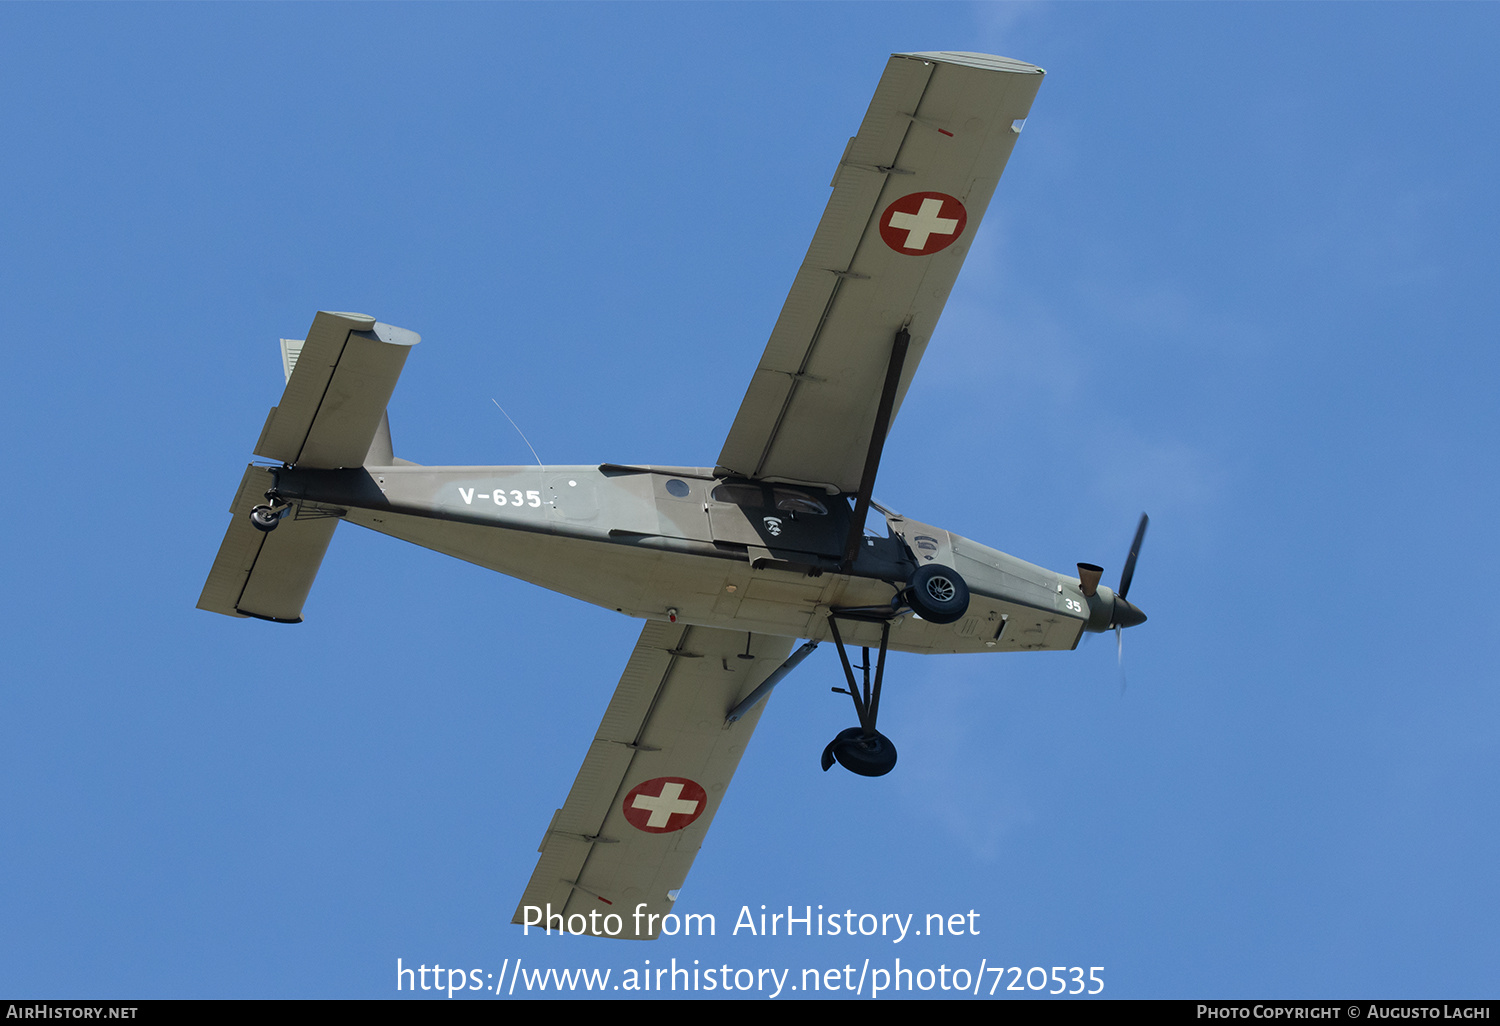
{"points": [[665, 804], [923, 223]]}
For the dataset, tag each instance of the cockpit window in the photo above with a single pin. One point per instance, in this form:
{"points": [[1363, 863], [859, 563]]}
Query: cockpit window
{"points": [[796, 502]]}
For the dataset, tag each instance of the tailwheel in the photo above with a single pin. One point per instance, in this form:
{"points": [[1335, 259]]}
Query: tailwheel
{"points": [[869, 755], [268, 514], [265, 518]]}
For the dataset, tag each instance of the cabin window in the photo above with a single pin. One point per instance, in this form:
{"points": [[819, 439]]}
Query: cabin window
{"points": [[740, 494]]}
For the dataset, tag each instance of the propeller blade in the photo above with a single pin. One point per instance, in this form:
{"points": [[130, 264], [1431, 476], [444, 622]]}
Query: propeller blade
{"points": [[1120, 657], [1135, 550]]}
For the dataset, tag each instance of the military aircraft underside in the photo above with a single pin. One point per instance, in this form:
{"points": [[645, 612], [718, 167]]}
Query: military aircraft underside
{"points": [[729, 565]]}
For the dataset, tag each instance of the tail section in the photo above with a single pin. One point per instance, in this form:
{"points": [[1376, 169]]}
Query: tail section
{"points": [[265, 574], [332, 414], [380, 453], [338, 384]]}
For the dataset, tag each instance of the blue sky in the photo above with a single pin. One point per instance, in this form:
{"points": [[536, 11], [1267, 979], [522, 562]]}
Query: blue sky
{"points": [[1240, 273]]}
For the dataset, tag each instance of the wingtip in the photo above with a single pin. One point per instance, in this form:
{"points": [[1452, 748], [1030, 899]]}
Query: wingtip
{"points": [[982, 61]]}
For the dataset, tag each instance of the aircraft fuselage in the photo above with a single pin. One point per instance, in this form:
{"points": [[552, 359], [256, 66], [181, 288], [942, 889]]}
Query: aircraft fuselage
{"points": [[664, 542]]}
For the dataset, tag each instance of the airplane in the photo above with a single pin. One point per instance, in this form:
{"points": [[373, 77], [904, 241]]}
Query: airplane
{"points": [[729, 565]]}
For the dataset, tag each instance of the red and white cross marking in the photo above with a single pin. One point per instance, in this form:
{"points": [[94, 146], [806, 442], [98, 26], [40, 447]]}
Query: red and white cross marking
{"points": [[923, 223], [664, 804]]}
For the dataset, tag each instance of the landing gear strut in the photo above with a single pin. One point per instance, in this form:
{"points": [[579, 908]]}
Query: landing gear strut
{"points": [[936, 594], [862, 749]]}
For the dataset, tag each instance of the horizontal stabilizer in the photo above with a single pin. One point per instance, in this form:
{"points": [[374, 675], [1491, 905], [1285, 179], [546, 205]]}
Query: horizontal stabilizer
{"points": [[338, 384], [265, 574]]}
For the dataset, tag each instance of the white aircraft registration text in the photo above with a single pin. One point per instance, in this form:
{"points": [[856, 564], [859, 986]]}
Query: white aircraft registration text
{"points": [[498, 497]]}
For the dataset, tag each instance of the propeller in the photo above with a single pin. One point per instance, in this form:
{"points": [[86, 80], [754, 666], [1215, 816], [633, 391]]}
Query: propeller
{"points": [[1128, 573], [1120, 657], [1128, 612], [1113, 610]]}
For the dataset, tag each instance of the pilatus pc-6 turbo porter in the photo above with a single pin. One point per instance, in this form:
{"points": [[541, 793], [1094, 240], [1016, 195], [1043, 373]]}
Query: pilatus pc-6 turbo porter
{"points": [[729, 565]]}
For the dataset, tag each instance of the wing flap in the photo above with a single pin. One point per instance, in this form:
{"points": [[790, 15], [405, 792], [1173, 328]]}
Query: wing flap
{"points": [[661, 747], [940, 125]]}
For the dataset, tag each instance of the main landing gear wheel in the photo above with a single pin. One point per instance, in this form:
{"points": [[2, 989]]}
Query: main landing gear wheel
{"points": [[869, 755], [937, 594], [264, 518]]}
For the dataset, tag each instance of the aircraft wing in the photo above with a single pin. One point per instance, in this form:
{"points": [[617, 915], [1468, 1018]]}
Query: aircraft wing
{"points": [[652, 781], [907, 198]]}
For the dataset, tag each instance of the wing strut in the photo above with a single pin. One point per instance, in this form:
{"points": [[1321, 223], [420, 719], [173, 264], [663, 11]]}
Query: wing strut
{"points": [[877, 445], [751, 700]]}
